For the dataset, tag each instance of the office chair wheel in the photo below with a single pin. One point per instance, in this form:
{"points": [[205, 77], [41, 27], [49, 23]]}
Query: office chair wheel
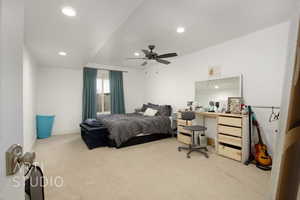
{"points": [[179, 149], [188, 156]]}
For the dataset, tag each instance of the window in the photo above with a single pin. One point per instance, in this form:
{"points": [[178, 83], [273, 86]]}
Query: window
{"points": [[103, 92]]}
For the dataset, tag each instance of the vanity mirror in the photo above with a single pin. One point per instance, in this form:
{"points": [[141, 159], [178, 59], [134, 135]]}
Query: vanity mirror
{"points": [[212, 95]]}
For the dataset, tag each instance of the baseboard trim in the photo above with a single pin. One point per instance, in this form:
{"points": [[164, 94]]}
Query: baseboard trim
{"points": [[66, 133]]}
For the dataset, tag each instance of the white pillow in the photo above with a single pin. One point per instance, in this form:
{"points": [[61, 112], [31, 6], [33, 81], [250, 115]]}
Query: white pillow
{"points": [[150, 112]]}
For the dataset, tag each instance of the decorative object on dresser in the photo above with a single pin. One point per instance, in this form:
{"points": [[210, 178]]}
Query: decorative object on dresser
{"points": [[187, 134], [234, 105], [211, 107], [190, 105], [232, 138]]}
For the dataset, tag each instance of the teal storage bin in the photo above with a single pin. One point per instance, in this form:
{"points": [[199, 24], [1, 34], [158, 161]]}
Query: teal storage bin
{"points": [[44, 125]]}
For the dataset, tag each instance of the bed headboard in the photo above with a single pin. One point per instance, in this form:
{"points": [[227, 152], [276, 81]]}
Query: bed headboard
{"points": [[164, 110]]}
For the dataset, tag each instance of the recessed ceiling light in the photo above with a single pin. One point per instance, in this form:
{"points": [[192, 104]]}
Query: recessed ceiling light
{"points": [[61, 53], [136, 53], [180, 30], [216, 86], [69, 11]]}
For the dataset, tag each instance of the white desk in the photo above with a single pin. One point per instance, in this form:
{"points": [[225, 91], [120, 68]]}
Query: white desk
{"points": [[231, 138]]}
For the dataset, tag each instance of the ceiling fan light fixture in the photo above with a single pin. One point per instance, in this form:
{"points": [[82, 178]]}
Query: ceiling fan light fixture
{"points": [[180, 29], [62, 53], [151, 56], [69, 11]]}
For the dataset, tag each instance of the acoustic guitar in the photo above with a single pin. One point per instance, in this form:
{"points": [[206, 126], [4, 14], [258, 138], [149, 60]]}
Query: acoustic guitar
{"points": [[261, 152]]}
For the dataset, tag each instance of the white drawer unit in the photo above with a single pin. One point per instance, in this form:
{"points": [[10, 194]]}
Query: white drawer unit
{"points": [[183, 136], [232, 137]]}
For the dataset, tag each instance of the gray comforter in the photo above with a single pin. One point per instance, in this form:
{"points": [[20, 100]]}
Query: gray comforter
{"points": [[123, 127]]}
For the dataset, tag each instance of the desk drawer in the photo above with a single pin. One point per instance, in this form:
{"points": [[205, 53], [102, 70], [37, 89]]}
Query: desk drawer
{"points": [[184, 138], [184, 122], [230, 121], [235, 141], [182, 130], [229, 152], [230, 130]]}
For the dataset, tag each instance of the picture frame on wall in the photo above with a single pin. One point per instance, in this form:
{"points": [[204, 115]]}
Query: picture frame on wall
{"points": [[234, 105]]}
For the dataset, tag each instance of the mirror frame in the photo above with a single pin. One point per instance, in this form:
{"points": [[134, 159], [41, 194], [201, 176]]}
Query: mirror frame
{"points": [[241, 91]]}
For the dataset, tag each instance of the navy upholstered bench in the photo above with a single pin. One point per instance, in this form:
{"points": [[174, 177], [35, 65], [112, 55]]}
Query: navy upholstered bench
{"points": [[94, 136]]}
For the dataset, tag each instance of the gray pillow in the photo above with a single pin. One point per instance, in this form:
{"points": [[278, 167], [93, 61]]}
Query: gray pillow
{"points": [[165, 110], [144, 107], [153, 106]]}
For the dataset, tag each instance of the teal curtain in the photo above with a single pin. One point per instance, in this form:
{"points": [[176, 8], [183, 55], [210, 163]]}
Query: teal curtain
{"points": [[116, 92], [89, 94]]}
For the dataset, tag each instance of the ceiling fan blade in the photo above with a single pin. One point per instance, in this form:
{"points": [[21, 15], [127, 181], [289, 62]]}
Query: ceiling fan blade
{"points": [[167, 55], [162, 61], [146, 52], [144, 63]]}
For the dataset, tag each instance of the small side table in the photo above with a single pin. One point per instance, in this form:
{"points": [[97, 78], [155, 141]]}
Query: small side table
{"points": [[174, 124]]}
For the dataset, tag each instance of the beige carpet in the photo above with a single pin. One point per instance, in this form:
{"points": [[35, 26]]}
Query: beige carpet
{"points": [[152, 171]]}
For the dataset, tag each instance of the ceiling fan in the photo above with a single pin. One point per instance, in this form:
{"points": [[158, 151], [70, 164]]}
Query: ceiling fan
{"points": [[151, 55]]}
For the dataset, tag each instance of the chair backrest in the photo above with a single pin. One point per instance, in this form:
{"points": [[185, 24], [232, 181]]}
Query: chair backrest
{"points": [[188, 115]]}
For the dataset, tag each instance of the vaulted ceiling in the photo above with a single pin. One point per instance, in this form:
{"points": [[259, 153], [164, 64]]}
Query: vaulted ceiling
{"points": [[48, 31], [109, 31]]}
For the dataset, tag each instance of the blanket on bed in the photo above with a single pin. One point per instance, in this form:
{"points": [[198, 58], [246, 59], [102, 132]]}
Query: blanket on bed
{"points": [[123, 127]]}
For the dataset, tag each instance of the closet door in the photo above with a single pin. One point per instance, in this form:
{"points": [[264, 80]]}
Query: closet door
{"points": [[289, 163]]}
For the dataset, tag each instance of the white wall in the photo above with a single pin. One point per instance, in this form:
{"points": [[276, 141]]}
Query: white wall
{"points": [[29, 99], [134, 89], [59, 93], [11, 97], [260, 57]]}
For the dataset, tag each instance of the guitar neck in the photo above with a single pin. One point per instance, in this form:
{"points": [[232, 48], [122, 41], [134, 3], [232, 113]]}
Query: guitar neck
{"points": [[258, 132]]}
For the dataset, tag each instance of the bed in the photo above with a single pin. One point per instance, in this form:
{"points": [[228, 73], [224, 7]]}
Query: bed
{"points": [[120, 130]]}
